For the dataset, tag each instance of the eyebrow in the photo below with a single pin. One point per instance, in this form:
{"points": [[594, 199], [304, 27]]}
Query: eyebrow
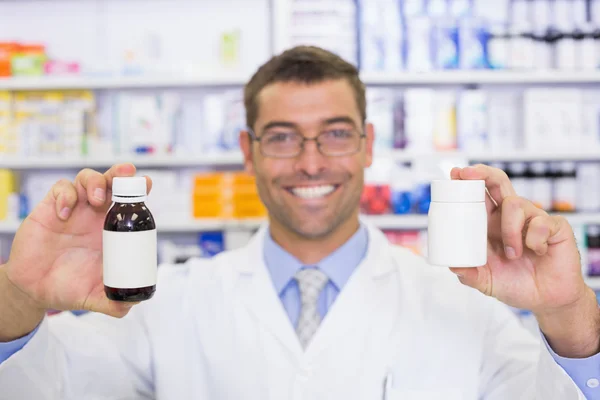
{"points": [[341, 119], [329, 121]]}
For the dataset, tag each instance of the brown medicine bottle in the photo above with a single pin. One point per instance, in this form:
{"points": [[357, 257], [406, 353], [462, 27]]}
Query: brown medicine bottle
{"points": [[129, 243]]}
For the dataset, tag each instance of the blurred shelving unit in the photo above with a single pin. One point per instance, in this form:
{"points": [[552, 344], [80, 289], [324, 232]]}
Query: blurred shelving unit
{"points": [[384, 222], [121, 82], [235, 158], [401, 78], [490, 77], [19, 163]]}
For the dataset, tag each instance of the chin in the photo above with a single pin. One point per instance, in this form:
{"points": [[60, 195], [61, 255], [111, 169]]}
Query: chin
{"points": [[313, 230]]}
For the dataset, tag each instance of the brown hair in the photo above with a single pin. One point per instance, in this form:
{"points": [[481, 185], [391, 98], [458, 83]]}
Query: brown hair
{"points": [[306, 64]]}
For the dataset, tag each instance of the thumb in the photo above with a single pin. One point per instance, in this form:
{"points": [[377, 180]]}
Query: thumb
{"points": [[478, 278], [98, 302]]}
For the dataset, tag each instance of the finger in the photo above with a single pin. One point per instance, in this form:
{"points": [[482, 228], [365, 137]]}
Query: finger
{"points": [[126, 169], [545, 230], [516, 213], [65, 198], [120, 309], [496, 181], [455, 173], [148, 184], [490, 204], [98, 302], [539, 231], [478, 278], [94, 185]]}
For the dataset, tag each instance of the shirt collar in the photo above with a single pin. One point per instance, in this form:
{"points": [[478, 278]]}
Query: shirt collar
{"points": [[338, 266]]}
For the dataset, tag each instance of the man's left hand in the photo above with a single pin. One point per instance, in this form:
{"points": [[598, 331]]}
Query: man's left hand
{"points": [[533, 264]]}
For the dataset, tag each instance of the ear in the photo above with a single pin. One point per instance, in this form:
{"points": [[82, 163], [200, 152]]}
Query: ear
{"points": [[369, 140], [245, 141]]}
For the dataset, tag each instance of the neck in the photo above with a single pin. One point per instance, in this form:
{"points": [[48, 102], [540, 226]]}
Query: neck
{"points": [[312, 250]]}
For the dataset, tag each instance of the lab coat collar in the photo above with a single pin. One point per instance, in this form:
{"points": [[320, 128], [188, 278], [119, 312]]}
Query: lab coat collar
{"points": [[365, 293], [376, 240]]}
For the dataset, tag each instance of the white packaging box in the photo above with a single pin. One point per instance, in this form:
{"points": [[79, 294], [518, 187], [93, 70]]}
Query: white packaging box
{"points": [[472, 120], [568, 106], [380, 112], [535, 122], [419, 119], [590, 132], [553, 119], [419, 56], [504, 120], [588, 186]]}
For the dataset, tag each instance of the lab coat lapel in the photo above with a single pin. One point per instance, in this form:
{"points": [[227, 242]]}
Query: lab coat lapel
{"points": [[256, 292], [370, 298]]}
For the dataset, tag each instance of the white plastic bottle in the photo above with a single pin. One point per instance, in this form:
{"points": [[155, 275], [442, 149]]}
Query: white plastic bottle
{"points": [[457, 227]]}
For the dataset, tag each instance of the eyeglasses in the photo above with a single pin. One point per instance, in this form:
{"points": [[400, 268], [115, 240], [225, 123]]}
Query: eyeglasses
{"points": [[280, 143]]}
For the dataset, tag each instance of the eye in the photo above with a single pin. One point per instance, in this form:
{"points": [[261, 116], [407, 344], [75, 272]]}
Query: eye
{"points": [[279, 137], [338, 134]]}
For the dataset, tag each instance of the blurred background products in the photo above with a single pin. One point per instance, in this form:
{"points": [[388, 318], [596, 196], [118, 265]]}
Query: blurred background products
{"points": [[509, 83]]}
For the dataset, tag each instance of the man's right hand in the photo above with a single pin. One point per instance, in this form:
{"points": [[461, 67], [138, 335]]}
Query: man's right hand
{"points": [[56, 256]]}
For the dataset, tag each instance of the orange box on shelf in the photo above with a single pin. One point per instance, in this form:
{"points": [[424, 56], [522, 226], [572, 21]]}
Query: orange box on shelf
{"points": [[249, 210], [212, 210], [7, 49], [226, 195]]}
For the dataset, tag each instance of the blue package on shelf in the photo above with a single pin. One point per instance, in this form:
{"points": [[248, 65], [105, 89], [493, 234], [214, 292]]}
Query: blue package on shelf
{"points": [[472, 39], [401, 202], [23, 206], [422, 198], [446, 45], [211, 243]]}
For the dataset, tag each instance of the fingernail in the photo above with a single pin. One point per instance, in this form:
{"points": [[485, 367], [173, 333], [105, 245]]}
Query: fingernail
{"points": [[99, 194], [64, 213], [510, 252]]}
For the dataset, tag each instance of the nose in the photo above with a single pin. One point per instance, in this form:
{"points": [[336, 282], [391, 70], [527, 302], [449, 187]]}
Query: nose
{"points": [[310, 160]]}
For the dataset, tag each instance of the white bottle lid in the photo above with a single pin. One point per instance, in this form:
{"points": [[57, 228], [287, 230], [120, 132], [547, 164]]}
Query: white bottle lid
{"points": [[129, 189], [457, 191]]}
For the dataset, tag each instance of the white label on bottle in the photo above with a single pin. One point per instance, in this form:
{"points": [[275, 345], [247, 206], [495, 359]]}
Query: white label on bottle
{"points": [[129, 259]]}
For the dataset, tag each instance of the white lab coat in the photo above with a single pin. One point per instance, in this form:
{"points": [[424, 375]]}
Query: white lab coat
{"points": [[217, 330]]}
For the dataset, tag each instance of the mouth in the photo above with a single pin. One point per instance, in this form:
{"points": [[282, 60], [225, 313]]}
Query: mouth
{"points": [[312, 192]]}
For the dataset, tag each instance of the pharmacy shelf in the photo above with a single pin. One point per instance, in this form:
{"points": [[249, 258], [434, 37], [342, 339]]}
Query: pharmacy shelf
{"points": [[121, 82], [487, 156], [593, 282], [19, 163], [388, 222], [235, 158], [385, 222], [199, 225], [209, 224], [478, 77], [9, 227], [403, 78], [420, 221]]}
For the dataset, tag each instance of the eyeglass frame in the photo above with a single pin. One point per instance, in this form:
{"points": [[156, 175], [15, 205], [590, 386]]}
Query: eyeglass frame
{"points": [[255, 137]]}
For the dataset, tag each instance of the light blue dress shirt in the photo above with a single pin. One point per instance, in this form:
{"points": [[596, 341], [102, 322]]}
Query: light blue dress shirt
{"points": [[339, 266]]}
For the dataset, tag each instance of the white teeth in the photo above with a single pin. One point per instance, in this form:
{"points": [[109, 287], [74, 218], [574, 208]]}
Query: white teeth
{"points": [[313, 192]]}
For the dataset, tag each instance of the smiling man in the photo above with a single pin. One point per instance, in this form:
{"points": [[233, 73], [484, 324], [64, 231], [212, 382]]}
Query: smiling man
{"points": [[318, 305]]}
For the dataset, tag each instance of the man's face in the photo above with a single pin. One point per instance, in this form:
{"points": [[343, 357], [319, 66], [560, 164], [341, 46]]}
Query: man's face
{"points": [[311, 194]]}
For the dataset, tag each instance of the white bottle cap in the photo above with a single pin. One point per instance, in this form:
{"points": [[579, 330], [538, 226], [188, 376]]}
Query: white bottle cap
{"points": [[129, 189], [457, 191]]}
